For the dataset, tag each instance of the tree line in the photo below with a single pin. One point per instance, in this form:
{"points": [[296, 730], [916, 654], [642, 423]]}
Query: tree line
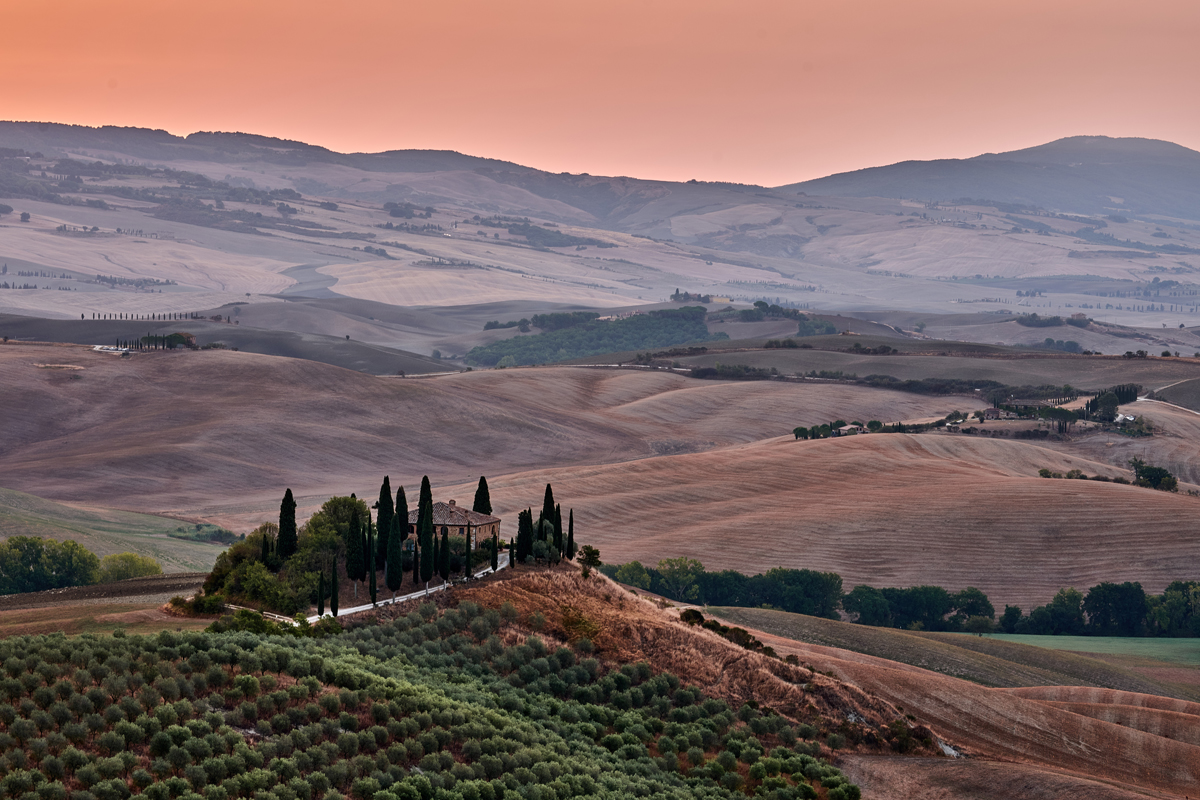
{"points": [[34, 564], [1107, 609]]}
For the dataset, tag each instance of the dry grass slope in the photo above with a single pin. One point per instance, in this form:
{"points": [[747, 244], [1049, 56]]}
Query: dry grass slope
{"points": [[885, 510]]}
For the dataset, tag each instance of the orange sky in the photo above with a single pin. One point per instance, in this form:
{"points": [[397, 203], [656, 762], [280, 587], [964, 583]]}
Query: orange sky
{"points": [[763, 91]]}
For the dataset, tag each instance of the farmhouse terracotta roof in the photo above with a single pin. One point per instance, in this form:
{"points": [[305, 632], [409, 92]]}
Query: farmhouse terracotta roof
{"points": [[451, 515]]}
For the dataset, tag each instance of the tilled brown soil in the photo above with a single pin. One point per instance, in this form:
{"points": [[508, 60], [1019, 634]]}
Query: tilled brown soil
{"points": [[132, 590]]}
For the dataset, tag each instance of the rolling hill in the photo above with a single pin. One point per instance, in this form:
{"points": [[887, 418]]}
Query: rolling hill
{"points": [[456, 237], [1076, 175]]}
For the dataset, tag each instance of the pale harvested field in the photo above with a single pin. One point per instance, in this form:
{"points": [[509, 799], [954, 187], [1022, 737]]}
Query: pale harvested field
{"points": [[885, 510], [1174, 445], [187, 262], [218, 434], [409, 285], [1083, 372]]}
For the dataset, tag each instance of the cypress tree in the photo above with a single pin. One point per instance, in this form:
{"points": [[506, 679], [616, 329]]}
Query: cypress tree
{"points": [[400, 513], [371, 550], [333, 594], [424, 501], [571, 535], [287, 526], [321, 595], [483, 498], [444, 565], [355, 568], [393, 574], [266, 547], [426, 540], [558, 530], [416, 563], [548, 505], [383, 520], [366, 551], [524, 545], [495, 552]]}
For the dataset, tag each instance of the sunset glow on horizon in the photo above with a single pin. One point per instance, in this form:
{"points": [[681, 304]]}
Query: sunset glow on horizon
{"points": [[764, 92]]}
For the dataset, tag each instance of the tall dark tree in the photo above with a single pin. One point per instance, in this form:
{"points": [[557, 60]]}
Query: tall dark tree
{"points": [[321, 595], [287, 526], [366, 546], [444, 564], [548, 504], [495, 552], [426, 541], [371, 551], [571, 535], [524, 546], [393, 574], [266, 547], [558, 531], [416, 556], [425, 500], [483, 498], [383, 520], [333, 593], [400, 513], [356, 568]]}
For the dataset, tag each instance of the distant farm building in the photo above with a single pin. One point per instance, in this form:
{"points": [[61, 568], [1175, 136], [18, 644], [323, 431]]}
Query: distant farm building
{"points": [[458, 521]]}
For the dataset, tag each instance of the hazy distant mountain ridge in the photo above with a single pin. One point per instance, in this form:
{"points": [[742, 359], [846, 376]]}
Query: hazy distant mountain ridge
{"points": [[1079, 174], [56, 138]]}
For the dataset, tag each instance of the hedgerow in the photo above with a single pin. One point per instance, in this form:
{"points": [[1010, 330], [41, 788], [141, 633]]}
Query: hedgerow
{"points": [[431, 705]]}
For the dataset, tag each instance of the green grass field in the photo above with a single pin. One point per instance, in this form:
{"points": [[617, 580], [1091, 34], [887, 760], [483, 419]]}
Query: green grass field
{"points": [[104, 531], [1175, 651]]}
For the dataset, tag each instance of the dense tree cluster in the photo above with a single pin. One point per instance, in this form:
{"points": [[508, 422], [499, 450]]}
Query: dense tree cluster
{"points": [[545, 540], [33, 564], [802, 591], [654, 329], [1111, 609], [432, 705], [286, 569]]}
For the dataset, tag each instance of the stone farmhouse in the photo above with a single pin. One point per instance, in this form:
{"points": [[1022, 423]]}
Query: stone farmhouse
{"points": [[458, 521]]}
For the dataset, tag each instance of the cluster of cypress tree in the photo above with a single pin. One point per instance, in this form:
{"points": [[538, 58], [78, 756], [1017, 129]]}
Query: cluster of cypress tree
{"points": [[370, 547], [545, 539]]}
